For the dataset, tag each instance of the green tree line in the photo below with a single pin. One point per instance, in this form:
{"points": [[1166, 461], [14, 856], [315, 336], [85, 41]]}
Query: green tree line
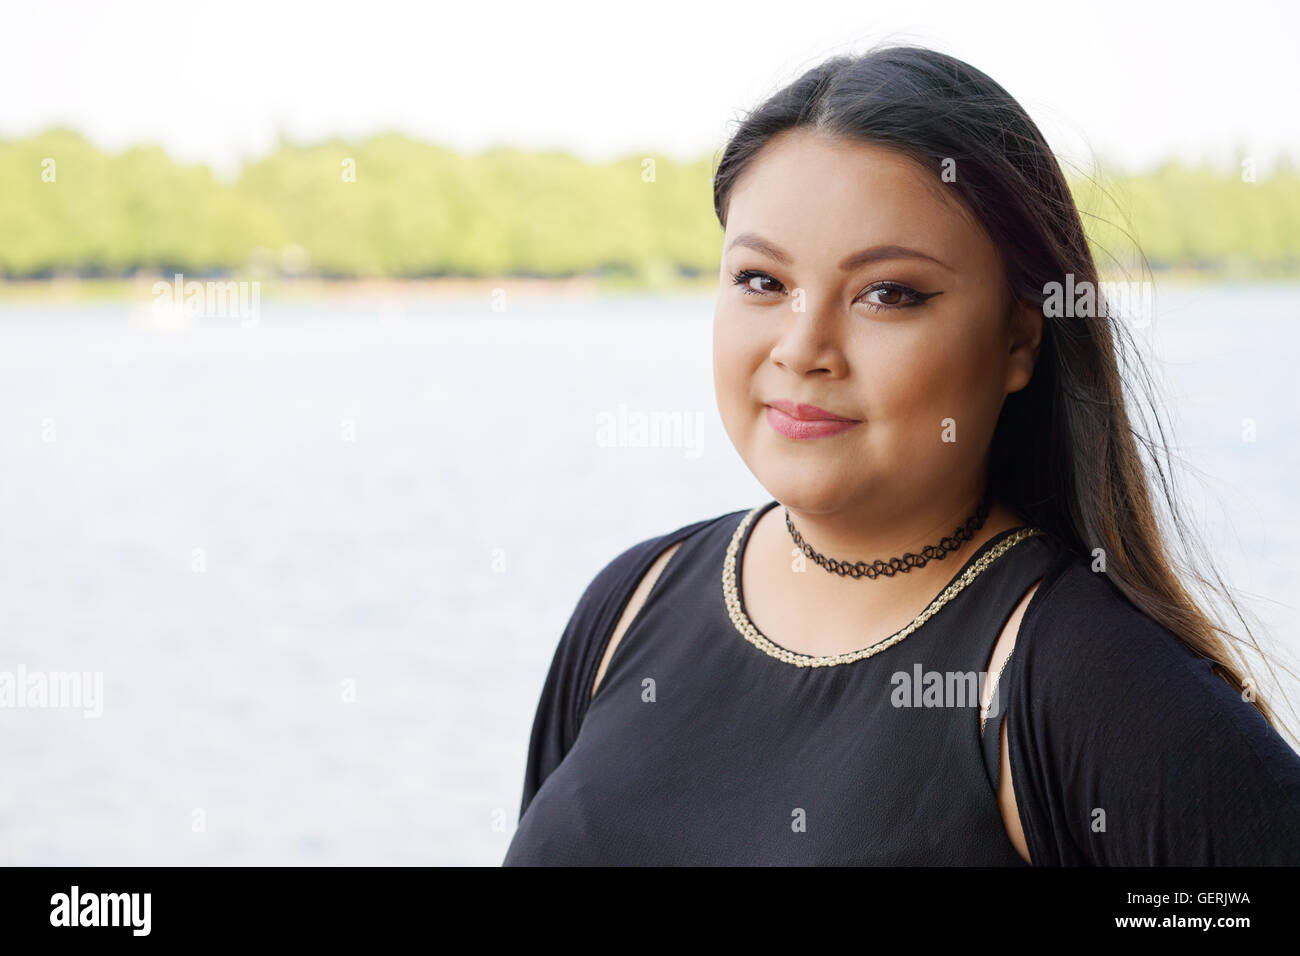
{"points": [[394, 206]]}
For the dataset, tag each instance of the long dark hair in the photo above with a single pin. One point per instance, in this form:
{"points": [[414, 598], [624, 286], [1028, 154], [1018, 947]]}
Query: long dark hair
{"points": [[1065, 453]]}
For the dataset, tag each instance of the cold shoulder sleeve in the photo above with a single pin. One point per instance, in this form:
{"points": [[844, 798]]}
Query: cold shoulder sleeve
{"points": [[566, 691], [1126, 749]]}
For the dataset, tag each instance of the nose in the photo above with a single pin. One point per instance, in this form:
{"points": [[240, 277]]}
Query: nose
{"points": [[809, 341]]}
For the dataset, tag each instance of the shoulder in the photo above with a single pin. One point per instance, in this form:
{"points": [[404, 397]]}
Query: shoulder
{"points": [[1079, 612], [611, 590], [659, 551], [1086, 648], [620, 575], [1080, 632]]}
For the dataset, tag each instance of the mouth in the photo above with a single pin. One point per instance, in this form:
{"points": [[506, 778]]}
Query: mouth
{"points": [[802, 422], [808, 413]]}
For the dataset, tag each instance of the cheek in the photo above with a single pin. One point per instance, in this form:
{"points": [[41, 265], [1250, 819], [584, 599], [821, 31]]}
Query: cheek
{"points": [[942, 372], [736, 354]]}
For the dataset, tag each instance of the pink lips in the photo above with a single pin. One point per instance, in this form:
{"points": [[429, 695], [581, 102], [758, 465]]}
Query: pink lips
{"points": [[805, 421]]}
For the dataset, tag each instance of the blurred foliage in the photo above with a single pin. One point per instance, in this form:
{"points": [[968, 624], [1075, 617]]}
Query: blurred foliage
{"points": [[1195, 218], [414, 209]]}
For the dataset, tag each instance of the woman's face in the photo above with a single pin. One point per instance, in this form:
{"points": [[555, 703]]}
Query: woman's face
{"points": [[830, 246]]}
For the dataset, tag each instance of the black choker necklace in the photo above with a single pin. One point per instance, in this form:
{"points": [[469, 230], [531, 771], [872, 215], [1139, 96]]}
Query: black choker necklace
{"points": [[908, 561]]}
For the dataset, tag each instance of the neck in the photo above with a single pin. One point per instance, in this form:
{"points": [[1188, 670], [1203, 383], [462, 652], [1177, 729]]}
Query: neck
{"points": [[873, 531], [827, 613], [876, 531]]}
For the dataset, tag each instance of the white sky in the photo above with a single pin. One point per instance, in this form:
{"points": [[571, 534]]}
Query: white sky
{"points": [[1133, 81]]}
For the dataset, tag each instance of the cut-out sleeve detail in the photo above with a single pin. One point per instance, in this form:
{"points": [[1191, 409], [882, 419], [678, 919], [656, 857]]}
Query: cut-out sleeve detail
{"points": [[566, 691]]}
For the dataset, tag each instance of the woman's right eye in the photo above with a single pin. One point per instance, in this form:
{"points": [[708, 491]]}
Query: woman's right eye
{"points": [[751, 282]]}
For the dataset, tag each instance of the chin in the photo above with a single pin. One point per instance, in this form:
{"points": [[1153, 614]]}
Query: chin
{"points": [[805, 488]]}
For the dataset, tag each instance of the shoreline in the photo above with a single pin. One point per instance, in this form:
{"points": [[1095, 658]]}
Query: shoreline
{"points": [[140, 287]]}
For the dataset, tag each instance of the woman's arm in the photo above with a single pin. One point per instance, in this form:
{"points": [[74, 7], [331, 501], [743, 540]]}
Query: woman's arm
{"points": [[1126, 749]]}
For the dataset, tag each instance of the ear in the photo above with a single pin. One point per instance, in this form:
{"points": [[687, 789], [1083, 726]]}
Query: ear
{"points": [[1025, 335]]}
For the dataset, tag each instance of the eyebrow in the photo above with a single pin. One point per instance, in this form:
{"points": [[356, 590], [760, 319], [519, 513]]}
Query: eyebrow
{"points": [[873, 254]]}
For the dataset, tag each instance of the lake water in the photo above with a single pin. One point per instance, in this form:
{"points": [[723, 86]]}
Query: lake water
{"points": [[322, 562]]}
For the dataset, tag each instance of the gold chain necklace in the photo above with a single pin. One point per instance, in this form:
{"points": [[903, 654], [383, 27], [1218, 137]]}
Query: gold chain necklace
{"points": [[731, 597]]}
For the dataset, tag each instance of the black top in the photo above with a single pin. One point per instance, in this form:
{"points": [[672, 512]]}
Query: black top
{"points": [[705, 746]]}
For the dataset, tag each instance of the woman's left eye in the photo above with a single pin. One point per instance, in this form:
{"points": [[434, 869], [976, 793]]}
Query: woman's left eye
{"points": [[895, 291]]}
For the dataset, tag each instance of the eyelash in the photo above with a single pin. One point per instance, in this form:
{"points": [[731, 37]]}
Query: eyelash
{"points": [[744, 276]]}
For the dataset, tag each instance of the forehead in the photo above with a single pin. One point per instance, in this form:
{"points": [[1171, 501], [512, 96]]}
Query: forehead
{"points": [[805, 184]]}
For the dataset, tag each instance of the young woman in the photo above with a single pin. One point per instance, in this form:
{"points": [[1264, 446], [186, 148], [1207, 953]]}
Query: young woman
{"points": [[959, 639]]}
